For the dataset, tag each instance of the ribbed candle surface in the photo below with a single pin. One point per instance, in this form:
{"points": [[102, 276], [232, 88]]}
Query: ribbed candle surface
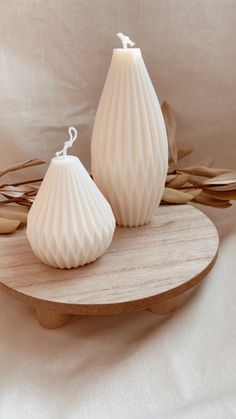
{"points": [[70, 222], [129, 143]]}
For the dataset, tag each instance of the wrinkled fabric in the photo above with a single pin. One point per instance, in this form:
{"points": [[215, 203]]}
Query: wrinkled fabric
{"points": [[54, 57], [136, 365]]}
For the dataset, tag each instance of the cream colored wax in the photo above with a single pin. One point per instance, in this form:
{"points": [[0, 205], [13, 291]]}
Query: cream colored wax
{"points": [[70, 222], [129, 142]]}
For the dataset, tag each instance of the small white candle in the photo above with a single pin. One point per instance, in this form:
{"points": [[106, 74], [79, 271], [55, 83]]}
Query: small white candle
{"points": [[129, 142], [70, 222]]}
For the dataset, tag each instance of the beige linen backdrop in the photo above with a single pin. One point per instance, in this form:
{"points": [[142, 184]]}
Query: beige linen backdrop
{"points": [[54, 58]]}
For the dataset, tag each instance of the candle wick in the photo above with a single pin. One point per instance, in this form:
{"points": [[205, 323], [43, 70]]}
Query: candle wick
{"points": [[126, 41], [73, 135]]}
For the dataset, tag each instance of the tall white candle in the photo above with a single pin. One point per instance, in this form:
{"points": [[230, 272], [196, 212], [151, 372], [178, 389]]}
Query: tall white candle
{"points": [[129, 142], [70, 222]]}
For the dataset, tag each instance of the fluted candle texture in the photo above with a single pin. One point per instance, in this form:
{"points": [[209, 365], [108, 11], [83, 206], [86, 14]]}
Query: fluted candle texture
{"points": [[129, 142], [70, 222]]}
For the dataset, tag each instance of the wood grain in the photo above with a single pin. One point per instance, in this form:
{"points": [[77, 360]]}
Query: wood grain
{"points": [[143, 267]]}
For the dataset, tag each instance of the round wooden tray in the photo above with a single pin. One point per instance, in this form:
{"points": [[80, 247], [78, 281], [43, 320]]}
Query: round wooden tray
{"points": [[144, 268]]}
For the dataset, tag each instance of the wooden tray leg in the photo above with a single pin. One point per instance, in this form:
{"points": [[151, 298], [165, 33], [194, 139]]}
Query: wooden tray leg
{"points": [[169, 306], [51, 319], [166, 307]]}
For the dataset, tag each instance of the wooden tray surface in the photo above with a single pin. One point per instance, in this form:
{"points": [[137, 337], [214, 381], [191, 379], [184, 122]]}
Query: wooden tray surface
{"points": [[144, 266]]}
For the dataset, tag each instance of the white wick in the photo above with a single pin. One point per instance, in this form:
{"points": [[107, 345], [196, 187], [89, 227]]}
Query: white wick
{"points": [[73, 135], [125, 40]]}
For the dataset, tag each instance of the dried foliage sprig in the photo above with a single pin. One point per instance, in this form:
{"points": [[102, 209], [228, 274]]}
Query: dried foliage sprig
{"points": [[199, 183], [21, 193]]}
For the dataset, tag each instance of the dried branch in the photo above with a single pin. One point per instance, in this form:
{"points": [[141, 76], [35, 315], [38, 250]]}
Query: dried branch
{"points": [[171, 131], [217, 186], [28, 163]]}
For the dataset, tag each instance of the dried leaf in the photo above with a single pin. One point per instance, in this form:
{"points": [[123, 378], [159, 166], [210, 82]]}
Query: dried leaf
{"points": [[17, 191], [192, 191], [27, 202], [221, 195], [14, 213], [208, 162], [171, 131], [205, 199], [222, 188], [21, 188], [170, 177], [174, 196], [8, 226], [28, 163], [225, 178], [11, 193], [194, 181], [178, 181], [27, 182], [203, 171], [183, 152], [171, 169]]}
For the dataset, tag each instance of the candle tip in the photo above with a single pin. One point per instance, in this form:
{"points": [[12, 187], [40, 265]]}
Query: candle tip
{"points": [[126, 41], [73, 135]]}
